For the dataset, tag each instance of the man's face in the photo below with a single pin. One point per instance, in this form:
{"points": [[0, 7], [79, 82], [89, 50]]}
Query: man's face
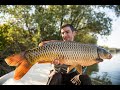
{"points": [[67, 34]]}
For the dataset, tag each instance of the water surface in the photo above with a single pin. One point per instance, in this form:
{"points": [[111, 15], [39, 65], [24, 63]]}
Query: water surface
{"points": [[106, 72]]}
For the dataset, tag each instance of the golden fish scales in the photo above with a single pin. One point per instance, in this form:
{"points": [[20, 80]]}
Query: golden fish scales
{"points": [[66, 52], [70, 53]]}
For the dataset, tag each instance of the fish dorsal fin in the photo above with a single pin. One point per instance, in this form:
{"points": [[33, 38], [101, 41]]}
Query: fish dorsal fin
{"points": [[45, 42]]}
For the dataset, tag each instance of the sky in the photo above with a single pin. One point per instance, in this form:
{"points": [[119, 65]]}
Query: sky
{"points": [[113, 40]]}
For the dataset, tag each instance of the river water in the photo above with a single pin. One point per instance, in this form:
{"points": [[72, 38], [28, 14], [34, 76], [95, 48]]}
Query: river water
{"points": [[106, 72]]}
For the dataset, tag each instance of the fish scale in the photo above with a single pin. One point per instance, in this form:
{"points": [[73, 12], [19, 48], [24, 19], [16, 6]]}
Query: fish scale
{"points": [[71, 51], [73, 54]]}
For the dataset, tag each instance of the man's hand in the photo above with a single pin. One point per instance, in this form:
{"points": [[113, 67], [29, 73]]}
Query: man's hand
{"points": [[56, 62], [76, 80]]}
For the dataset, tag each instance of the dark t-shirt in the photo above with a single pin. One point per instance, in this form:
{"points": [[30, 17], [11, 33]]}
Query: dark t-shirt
{"points": [[63, 68]]}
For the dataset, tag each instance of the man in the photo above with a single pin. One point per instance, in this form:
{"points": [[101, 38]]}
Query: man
{"points": [[59, 75]]}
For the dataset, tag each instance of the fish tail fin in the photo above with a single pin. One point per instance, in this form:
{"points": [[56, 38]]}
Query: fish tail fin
{"points": [[22, 65], [22, 69], [14, 60]]}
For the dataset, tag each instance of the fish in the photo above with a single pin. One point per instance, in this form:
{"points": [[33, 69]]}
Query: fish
{"points": [[74, 54]]}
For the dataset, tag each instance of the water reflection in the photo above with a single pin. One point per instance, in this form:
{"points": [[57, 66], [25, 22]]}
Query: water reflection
{"points": [[106, 72], [101, 79], [93, 68]]}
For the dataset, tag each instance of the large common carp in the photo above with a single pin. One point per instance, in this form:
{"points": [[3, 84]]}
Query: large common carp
{"points": [[73, 54]]}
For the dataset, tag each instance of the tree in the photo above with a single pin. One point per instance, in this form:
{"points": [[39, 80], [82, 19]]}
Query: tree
{"points": [[115, 8], [25, 26], [37, 23]]}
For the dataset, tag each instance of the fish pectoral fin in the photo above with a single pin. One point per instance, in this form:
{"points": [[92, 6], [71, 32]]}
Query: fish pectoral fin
{"points": [[99, 60], [70, 68], [22, 69], [79, 69]]}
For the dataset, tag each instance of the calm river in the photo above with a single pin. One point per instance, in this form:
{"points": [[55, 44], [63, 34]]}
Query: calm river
{"points": [[106, 72]]}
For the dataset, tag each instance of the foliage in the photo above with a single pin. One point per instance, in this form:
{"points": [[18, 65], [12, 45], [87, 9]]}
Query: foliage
{"points": [[92, 22], [115, 8], [25, 26], [28, 25]]}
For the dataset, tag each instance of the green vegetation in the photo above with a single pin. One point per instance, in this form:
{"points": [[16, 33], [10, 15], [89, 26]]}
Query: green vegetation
{"points": [[25, 26]]}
